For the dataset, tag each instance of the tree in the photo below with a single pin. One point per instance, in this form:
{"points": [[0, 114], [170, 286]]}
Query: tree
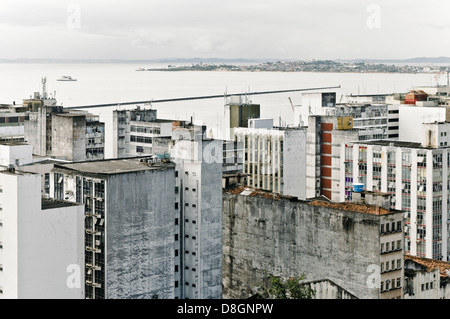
{"points": [[288, 288]]}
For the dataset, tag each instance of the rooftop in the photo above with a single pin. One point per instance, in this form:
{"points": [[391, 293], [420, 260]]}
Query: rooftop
{"points": [[48, 203], [115, 166], [354, 207], [13, 143], [347, 206], [431, 264], [391, 143]]}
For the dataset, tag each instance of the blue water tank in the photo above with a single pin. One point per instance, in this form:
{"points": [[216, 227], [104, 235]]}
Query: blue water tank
{"points": [[358, 187]]}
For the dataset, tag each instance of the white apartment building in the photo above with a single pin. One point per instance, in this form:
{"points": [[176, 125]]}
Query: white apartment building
{"points": [[418, 179], [275, 159], [41, 241]]}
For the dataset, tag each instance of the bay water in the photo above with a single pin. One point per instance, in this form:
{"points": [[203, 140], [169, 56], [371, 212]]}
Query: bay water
{"points": [[115, 83]]}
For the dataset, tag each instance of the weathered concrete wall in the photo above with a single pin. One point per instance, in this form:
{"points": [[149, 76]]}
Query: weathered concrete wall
{"points": [[32, 134], [140, 235], [293, 238], [294, 163], [211, 220]]}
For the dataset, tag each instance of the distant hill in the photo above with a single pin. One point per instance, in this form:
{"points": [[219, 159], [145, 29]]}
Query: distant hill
{"points": [[441, 59]]}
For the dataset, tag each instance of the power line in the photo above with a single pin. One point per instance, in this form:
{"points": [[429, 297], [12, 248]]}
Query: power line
{"points": [[198, 97]]}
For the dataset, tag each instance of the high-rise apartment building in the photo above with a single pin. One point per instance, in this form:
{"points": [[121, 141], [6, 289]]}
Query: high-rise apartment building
{"points": [[417, 177]]}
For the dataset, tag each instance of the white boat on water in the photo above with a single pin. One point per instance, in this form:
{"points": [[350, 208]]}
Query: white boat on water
{"points": [[66, 78]]}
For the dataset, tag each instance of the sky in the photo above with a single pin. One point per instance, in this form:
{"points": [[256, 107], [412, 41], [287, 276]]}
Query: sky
{"points": [[230, 29]]}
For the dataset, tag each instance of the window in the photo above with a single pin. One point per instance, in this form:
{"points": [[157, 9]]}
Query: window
{"points": [[176, 237], [399, 263], [382, 286], [382, 248], [176, 268], [176, 221], [399, 282], [176, 284]]}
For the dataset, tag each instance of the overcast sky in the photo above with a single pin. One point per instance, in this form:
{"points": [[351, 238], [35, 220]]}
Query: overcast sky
{"points": [[284, 29]]}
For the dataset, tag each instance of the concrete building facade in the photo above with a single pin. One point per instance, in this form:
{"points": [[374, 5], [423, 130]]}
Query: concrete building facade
{"points": [[426, 278], [323, 151], [73, 136], [340, 242], [134, 131], [129, 225], [275, 159], [415, 176], [199, 162]]}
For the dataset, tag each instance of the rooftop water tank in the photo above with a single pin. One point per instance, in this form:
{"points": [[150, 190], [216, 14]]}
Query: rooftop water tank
{"points": [[358, 187]]}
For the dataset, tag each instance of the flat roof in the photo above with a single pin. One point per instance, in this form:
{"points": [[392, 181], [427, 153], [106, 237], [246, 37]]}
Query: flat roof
{"points": [[50, 203], [392, 143], [115, 166], [13, 143]]}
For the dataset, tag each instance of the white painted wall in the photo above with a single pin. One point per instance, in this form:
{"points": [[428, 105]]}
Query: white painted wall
{"points": [[412, 118], [38, 245], [14, 154]]}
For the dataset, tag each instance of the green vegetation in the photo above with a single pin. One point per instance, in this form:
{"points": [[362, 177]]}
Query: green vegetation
{"points": [[289, 288]]}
